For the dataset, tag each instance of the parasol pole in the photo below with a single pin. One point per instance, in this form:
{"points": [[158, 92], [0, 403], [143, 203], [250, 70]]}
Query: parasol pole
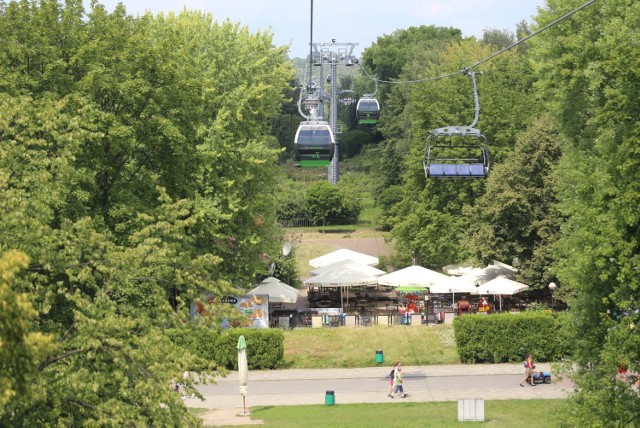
{"points": [[243, 371]]}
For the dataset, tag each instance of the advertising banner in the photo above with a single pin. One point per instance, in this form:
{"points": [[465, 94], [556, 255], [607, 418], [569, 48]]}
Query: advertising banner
{"points": [[254, 308]]}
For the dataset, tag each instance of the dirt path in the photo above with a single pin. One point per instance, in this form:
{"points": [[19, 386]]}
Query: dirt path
{"points": [[310, 245], [365, 241], [372, 246]]}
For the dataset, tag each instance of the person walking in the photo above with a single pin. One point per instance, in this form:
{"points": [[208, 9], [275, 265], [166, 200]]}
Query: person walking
{"points": [[392, 377], [528, 373], [397, 383]]}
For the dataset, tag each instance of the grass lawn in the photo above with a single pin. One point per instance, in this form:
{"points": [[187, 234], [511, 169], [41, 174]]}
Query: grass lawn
{"points": [[356, 347], [498, 413]]}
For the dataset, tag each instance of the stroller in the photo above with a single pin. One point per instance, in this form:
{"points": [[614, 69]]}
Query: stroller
{"points": [[540, 377]]}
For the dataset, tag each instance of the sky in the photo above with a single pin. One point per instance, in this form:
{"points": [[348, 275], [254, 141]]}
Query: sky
{"points": [[348, 21]]}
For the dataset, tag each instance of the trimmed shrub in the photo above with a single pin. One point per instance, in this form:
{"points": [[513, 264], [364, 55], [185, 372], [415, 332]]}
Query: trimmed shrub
{"points": [[265, 348], [501, 338], [197, 340]]}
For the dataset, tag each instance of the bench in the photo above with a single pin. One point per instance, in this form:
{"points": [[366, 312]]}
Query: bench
{"points": [[453, 170]]}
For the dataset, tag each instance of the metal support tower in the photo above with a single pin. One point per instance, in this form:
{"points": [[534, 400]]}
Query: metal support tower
{"points": [[333, 54], [333, 172]]}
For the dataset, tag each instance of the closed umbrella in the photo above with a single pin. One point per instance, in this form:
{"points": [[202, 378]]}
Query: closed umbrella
{"points": [[243, 370]]}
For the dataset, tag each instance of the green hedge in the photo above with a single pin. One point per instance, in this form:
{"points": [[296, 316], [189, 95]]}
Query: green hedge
{"points": [[197, 340], [501, 338], [265, 348]]}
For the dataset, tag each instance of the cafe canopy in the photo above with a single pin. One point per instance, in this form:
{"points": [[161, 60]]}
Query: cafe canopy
{"points": [[344, 277], [414, 276], [502, 285], [343, 254], [278, 291], [453, 284], [481, 275], [349, 265]]}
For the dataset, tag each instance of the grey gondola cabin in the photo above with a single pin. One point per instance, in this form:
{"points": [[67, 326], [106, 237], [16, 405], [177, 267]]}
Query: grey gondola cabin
{"points": [[368, 111], [314, 144]]}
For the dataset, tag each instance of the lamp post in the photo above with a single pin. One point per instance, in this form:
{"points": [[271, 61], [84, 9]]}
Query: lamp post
{"points": [[552, 287]]}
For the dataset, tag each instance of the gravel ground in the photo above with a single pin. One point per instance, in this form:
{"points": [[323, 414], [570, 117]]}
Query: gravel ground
{"points": [[372, 246]]}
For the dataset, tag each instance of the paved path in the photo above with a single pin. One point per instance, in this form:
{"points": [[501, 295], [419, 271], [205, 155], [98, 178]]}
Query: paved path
{"points": [[369, 385]]}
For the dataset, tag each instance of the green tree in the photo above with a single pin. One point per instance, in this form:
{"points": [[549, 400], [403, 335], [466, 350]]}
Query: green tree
{"points": [[135, 173], [387, 57], [517, 216], [587, 69], [324, 201], [431, 220], [21, 348]]}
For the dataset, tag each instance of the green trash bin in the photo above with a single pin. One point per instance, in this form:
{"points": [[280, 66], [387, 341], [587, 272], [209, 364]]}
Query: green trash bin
{"points": [[329, 398], [379, 356]]}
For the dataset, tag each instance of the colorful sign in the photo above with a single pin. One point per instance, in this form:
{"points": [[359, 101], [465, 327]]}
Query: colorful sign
{"points": [[255, 309]]}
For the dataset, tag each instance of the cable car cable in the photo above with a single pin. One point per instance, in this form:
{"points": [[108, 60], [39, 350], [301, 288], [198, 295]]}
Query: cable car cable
{"points": [[492, 56]]}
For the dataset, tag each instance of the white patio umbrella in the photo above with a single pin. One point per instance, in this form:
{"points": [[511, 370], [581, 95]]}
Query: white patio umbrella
{"points": [[343, 254], [349, 264], [278, 291], [453, 285], [481, 275], [457, 269], [343, 277], [243, 371], [270, 279], [500, 286], [416, 276]]}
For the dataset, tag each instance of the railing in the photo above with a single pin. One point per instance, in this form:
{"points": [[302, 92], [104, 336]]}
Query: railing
{"points": [[331, 221]]}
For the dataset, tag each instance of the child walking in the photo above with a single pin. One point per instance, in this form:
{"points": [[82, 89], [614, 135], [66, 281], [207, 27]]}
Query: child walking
{"points": [[392, 377], [397, 383]]}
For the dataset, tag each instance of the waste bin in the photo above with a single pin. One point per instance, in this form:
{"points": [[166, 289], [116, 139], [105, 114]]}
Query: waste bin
{"points": [[379, 356], [329, 398]]}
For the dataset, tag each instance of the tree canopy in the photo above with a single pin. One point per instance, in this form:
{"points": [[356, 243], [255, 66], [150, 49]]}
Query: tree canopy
{"points": [[135, 166], [138, 173]]}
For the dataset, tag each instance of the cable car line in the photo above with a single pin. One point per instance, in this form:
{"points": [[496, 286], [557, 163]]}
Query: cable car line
{"points": [[492, 56]]}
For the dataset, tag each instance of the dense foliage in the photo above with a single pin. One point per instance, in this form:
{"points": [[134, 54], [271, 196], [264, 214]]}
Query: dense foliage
{"points": [[138, 171], [589, 79], [561, 118], [265, 348], [135, 172]]}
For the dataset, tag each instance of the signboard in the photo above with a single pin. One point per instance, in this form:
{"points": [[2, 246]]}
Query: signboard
{"points": [[255, 309]]}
